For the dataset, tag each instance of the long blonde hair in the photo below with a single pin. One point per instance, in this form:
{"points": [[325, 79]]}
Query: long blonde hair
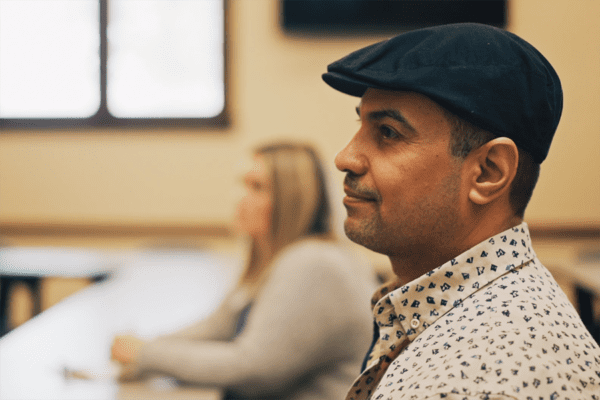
{"points": [[300, 204]]}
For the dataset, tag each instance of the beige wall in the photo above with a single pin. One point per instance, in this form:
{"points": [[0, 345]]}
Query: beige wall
{"points": [[184, 177]]}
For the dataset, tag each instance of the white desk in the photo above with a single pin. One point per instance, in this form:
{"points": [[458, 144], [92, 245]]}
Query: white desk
{"points": [[56, 261], [29, 265], [156, 293]]}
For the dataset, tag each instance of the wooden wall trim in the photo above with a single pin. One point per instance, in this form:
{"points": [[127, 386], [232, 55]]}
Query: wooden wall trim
{"points": [[564, 231], [546, 231], [112, 230]]}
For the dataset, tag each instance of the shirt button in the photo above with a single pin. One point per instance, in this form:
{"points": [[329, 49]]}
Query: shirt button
{"points": [[414, 323]]}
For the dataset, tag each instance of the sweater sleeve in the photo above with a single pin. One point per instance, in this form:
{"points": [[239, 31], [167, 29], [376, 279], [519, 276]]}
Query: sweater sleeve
{"points": [[298, 324], [219, 325]]}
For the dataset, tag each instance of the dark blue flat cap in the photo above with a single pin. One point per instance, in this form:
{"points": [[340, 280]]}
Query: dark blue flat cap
{"points": [[485, 75]]}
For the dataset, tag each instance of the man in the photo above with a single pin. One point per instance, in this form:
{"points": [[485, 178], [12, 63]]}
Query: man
{"points": [[455, 121]]}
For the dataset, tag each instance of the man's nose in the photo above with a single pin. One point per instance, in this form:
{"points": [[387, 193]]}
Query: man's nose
{"points": [[351, 158]]}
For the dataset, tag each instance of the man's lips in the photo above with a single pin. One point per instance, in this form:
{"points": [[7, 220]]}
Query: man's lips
{"points": [[356, 192], [352, 195]]}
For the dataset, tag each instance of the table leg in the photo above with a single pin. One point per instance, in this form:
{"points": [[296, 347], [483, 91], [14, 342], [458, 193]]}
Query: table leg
{"points": [[34, 284], [5, 285], [585, 303]]}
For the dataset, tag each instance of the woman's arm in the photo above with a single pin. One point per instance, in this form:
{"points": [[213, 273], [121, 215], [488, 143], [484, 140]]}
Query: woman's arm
{"points": [[219, 325], [299, 322]]}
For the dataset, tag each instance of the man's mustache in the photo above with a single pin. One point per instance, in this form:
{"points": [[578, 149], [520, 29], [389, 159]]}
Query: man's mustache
{"points": [[352, 183]]}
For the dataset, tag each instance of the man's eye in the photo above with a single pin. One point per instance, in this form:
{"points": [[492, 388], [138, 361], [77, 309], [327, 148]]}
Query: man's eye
{"points": [[388, 132]]}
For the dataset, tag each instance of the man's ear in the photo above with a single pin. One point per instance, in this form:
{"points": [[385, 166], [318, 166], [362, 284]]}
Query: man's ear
{"points": [[492, 169]]}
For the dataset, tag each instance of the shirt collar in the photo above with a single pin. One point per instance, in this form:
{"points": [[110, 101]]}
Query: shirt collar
{"points": [[423, 301]]}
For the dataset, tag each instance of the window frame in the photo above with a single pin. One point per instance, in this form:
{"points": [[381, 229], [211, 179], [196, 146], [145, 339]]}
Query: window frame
{"points": [[103, 119]]}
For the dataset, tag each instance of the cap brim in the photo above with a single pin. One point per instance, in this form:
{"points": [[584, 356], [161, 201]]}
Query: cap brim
{"points": [[345, 84]]}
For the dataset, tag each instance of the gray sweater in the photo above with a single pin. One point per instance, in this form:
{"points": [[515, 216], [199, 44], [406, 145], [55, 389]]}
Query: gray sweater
{"points": [[305, 337]]}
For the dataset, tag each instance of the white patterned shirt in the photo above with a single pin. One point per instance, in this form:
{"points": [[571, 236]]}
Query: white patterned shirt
{"points": [[490, 324]]}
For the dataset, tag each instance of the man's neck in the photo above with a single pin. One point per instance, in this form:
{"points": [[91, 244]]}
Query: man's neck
{"points": [[411, 266], [408, 267]]}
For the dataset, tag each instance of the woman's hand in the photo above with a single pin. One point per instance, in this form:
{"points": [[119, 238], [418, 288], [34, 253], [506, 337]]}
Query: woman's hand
{"points": [[125, 348]]}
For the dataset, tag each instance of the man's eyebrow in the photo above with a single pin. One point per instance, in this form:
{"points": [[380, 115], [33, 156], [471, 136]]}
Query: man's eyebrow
{"points": [[387, 113]]}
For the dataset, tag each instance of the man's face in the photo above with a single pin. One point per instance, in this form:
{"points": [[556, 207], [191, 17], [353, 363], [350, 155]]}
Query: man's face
{"points": [[402, 185]]}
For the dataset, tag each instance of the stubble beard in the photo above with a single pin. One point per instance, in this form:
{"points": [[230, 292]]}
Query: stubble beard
{"points": [[368, 233], [404, 237]]}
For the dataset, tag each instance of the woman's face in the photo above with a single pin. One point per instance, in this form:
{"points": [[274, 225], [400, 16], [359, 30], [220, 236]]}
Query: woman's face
{"points": [[255, 210]]}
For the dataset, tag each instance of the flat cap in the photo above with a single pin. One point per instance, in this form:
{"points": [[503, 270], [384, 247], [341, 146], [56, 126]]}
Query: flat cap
{"points": [[485, 75]]}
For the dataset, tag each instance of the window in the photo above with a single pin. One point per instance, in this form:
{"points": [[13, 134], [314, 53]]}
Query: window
{"points": [[112, 62]]}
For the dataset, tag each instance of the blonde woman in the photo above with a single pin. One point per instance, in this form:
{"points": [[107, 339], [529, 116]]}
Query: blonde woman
{"points": [[296, 324]]}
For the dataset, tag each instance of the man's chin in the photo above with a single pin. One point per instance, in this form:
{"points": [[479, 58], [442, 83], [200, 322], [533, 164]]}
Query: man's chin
{"points": [[362, 234]]}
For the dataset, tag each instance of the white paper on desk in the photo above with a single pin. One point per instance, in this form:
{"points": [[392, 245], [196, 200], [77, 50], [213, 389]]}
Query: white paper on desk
{"points": [[162, 383], [110, 372], [106, 372]]}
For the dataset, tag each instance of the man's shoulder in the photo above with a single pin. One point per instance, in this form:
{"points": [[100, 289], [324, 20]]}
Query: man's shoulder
{"points": [[501, 359], [526, 295], [518, 336]]}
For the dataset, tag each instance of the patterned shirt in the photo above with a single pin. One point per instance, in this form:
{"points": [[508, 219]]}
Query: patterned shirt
{"points": [[490, 324]]}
